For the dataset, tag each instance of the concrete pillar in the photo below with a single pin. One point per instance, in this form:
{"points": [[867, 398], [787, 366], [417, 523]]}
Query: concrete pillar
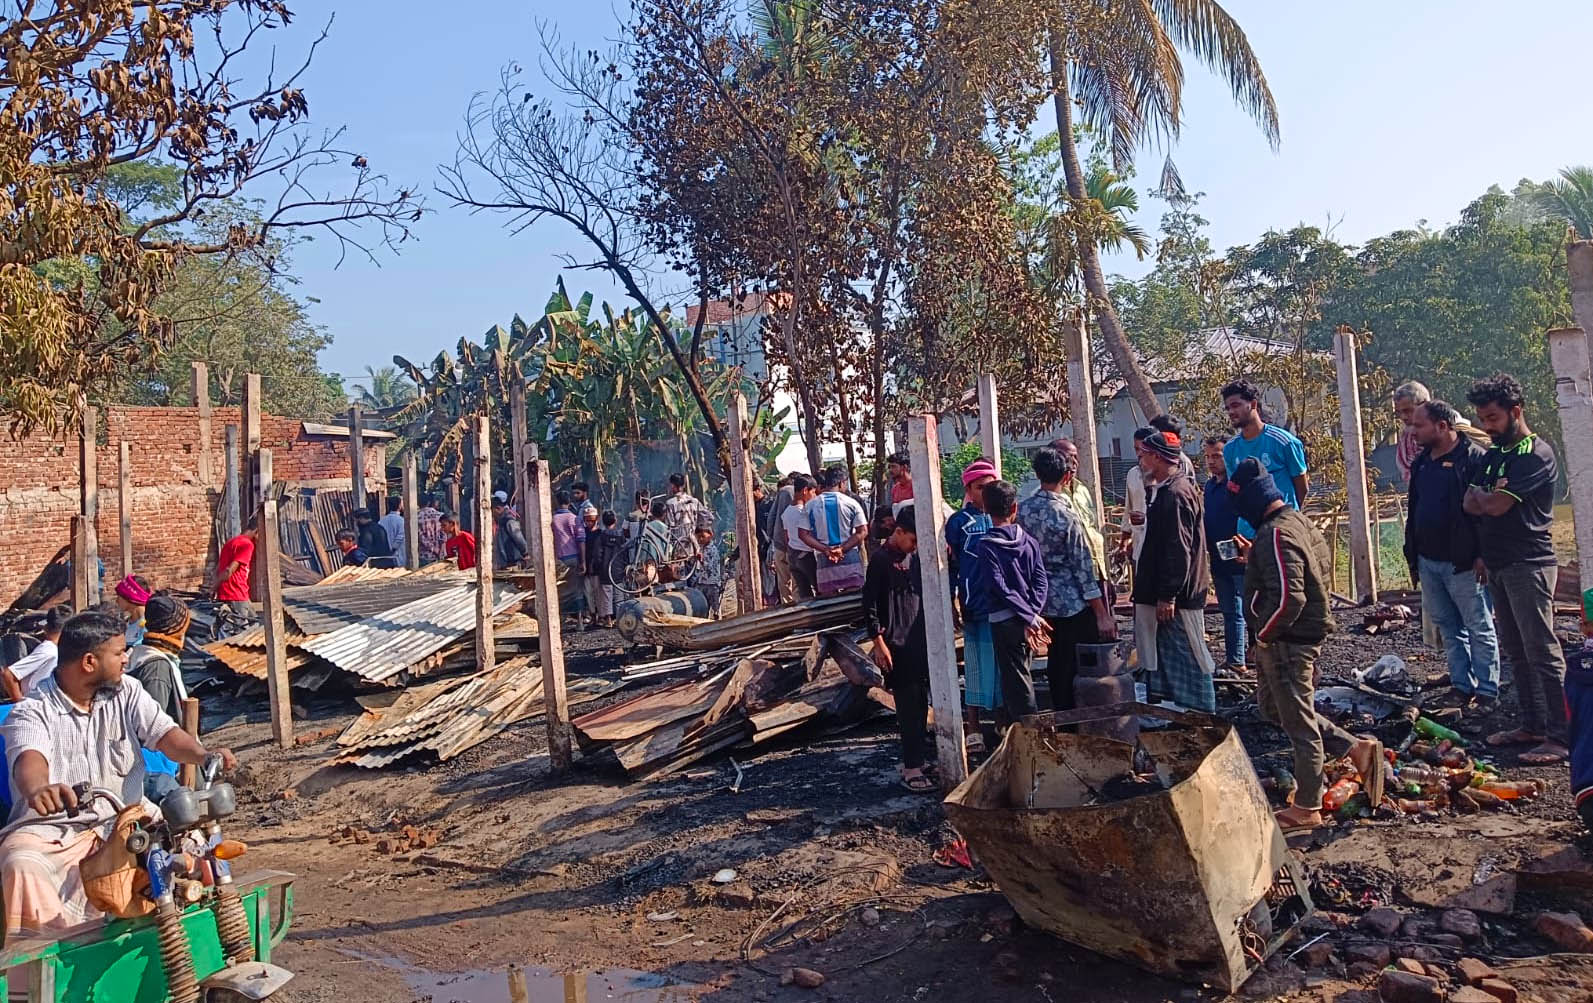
{"points": [[1573, 389], [1363, 561], [1081, 407], [929, 509], [989, 420]]}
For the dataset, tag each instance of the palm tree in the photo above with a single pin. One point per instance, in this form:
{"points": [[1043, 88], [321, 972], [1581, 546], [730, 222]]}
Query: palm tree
{"points": [[1570, 198], [1120, 60], [385, 388], [1119, 201]]}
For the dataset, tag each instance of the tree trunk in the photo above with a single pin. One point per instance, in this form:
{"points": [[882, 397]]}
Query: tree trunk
{"points": [[1090, 260]]}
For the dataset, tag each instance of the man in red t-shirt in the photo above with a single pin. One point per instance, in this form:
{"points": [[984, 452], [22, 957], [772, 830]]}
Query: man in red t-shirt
{"points": [[232, 569], [899, 476], [460, 544]]}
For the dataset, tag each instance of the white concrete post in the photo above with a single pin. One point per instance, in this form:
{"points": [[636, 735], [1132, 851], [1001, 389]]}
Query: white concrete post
{"points": [[989, 420], [1081, 406], [1573, 390], [929, 511], [1363, 564]]}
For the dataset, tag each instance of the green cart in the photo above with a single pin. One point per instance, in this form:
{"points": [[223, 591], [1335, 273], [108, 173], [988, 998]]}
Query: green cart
{"points": [[119, 961]]}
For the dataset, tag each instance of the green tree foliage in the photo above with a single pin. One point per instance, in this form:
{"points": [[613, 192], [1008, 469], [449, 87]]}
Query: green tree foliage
{"points": [[1569, 198], [1474, 299], [385, 387], [236, 312], [1015, 467], [602, 395], [1441, 306]]}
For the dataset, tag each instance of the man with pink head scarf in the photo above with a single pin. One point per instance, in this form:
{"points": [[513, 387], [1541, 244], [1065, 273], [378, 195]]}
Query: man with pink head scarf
{"points": [[964, 532], [132, 595]]}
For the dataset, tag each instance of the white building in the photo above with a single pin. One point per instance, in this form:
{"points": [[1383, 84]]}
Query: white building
{"points": [[733, 335]]}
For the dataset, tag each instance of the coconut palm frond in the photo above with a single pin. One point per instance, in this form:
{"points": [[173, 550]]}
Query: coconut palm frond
{"points": [[1204, 29], [1569, 197]]}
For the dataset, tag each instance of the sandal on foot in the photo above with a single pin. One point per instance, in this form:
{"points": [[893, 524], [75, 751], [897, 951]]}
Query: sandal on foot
{"points": [[921, 784], [1291, 826], [974, 744], [1518, 736], [1546, 754]]}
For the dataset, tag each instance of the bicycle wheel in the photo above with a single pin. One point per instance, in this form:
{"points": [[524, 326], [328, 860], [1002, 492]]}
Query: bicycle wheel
{"points": [[625, 571]]}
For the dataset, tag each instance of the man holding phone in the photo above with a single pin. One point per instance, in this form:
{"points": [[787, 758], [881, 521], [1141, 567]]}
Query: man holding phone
{"points": [[1227, 574]]}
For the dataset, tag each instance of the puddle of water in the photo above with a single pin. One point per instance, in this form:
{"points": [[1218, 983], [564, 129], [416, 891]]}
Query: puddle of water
{"points": [[620, 985], [606, 985]]}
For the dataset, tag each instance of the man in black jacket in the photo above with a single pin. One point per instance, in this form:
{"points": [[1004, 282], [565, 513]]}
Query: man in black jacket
{"points": [[1441, 549], [893, 607], [372, 539], [1173, 577]]}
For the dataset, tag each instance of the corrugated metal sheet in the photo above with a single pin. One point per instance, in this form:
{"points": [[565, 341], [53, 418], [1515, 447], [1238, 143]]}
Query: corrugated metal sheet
{"points": [[446, 718], [349, 573], [322, 609], [391, 639]]}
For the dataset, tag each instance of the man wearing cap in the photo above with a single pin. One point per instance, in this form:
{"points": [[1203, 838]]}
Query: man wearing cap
{"points": [[1287, 603], [964, 531], [1172, 578]]}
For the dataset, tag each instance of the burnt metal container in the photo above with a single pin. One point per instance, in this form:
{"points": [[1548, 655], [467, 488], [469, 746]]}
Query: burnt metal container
{"points": [[1163, 854]]}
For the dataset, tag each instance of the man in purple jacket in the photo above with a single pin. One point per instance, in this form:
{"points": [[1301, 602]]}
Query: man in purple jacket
{"points": [[1008, 589]]}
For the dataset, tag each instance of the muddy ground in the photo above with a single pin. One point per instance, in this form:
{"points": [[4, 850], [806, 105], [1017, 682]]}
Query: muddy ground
{"points": [[603, 887]]}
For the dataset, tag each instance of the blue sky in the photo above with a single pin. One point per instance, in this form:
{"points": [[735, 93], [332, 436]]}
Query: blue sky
{"points": [[1393, 112]]}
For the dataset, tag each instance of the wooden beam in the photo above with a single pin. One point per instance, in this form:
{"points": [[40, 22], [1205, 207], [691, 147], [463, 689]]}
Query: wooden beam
{"points": [[485, 649], [1573, 388], [989, 420], [82, 573], [188, 774], [411, 507], [89, 499], [453, 501], [1363, 565], [517, 438], [201, 392], [124, 503], [1081, 408], [231, 491], [249, 494], [275, 629], [929, 509], [550, 645], [356, 457], [749, 579]]}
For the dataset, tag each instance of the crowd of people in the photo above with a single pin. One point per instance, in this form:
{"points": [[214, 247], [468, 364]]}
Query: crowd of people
{"points": [[1032, 577]]}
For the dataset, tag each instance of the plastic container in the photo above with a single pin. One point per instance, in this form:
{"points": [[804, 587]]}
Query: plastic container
{"points": [[1432, 729], [1339, 793]]}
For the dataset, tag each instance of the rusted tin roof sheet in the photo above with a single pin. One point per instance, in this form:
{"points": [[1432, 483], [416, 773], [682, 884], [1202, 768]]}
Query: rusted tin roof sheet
{"points": [[389, 640]]}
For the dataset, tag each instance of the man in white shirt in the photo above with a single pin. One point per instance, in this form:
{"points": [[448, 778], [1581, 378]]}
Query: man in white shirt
{"points": [[803, 561], [21, 676], [393, 525]]}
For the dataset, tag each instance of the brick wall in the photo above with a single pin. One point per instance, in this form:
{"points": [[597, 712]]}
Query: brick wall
{"points": [[172, 510]]}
